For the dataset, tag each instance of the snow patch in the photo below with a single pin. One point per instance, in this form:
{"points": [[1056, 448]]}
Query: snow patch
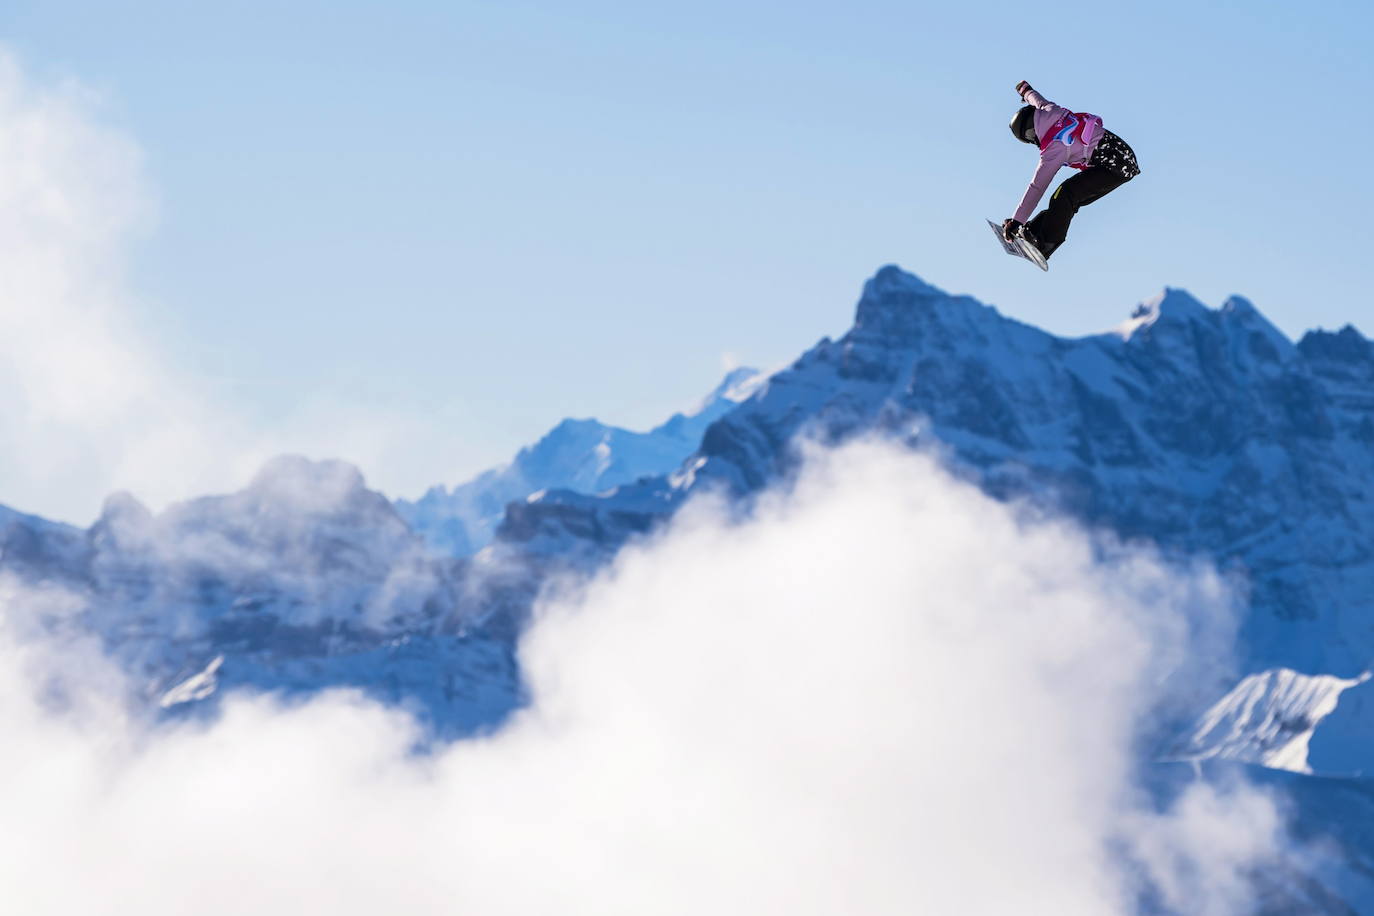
{"points": [[1268, 718], [196, 687]]}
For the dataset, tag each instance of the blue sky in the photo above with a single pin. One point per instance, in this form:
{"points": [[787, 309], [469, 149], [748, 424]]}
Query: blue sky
{"points": [[494, 215]]}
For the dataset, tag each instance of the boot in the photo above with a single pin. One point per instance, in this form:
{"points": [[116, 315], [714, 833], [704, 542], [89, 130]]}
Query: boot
{"points": [[1035, 243]]}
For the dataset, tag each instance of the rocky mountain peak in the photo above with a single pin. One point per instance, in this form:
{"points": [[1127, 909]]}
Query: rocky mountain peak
{"points": [[301, 484], [1344, 346], [898, 308], [123, 507], [124, 522], [891, 280], [1170, 307], [739, 383]]}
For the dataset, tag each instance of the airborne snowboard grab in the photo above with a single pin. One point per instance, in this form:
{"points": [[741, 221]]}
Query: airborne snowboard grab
{"points": [[1073, 138], [1016, 245]]}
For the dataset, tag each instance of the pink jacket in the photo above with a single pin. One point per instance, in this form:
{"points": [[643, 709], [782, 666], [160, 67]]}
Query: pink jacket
{"points": [[1066, 138]]}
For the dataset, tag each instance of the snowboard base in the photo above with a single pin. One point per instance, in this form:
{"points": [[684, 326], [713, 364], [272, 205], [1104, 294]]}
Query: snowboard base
{"points": [[1020, 248]]}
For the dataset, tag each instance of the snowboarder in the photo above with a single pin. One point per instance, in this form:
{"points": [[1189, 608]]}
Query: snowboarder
{"points": [[1075, 139]]}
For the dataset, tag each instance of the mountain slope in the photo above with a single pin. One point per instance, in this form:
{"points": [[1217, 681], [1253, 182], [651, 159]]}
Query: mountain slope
{"points": [[1205, 432], [304, 580], [585, 456]]}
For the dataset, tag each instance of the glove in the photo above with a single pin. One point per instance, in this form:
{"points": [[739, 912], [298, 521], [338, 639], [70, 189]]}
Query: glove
{"points": [[1022, 88], [1009, 229]]}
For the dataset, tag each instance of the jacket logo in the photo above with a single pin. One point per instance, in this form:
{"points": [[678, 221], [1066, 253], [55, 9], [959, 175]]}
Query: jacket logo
{"points": [[1065, 135]]}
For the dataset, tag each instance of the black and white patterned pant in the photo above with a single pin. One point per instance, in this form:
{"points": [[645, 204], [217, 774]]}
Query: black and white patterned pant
{"points": [[1115, 155]]}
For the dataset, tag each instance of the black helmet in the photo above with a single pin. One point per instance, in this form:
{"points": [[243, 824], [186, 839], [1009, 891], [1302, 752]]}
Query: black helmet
{"points": [[1023, 125]]}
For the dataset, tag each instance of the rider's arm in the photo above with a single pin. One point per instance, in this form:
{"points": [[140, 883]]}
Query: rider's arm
{"points": [[1033, 97], [1050, 161]]}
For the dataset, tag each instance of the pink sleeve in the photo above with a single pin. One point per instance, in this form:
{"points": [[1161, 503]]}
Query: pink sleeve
{"points": [[1039, 101], [1044, 172]]}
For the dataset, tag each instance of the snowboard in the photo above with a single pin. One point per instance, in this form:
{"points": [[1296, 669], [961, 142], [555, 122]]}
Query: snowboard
{"points": [[1020, 247]]}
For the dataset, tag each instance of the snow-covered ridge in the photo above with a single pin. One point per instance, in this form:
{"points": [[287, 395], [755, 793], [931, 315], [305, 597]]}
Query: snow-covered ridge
{"points": [[1205, 431], [198, 686], [305, 579], [582, 456], [1268, 718], [1201, 430]]}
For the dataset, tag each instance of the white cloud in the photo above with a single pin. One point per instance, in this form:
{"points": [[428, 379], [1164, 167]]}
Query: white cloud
{"points": [[884, 693], [1204, 853], [88, 405], [91, 405]]}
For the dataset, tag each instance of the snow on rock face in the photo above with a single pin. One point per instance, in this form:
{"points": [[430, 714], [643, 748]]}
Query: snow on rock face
{"points": [[303, 571], [35, 550], [1254, 333], [196, 687], [581, 456], [1204, 431], [304, 541], [1167, 310], [1192, 432], [1268, 718], [1344, 361], [294, 483]]}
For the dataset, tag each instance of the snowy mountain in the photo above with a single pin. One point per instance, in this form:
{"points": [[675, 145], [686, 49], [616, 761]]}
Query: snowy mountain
{"points": [[585, 456], [305, 579], [1206, 432], [1203, 431], [1268, 718]]}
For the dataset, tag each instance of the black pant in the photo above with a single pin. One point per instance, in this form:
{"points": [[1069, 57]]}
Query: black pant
{"points": [[1051, 225]]}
